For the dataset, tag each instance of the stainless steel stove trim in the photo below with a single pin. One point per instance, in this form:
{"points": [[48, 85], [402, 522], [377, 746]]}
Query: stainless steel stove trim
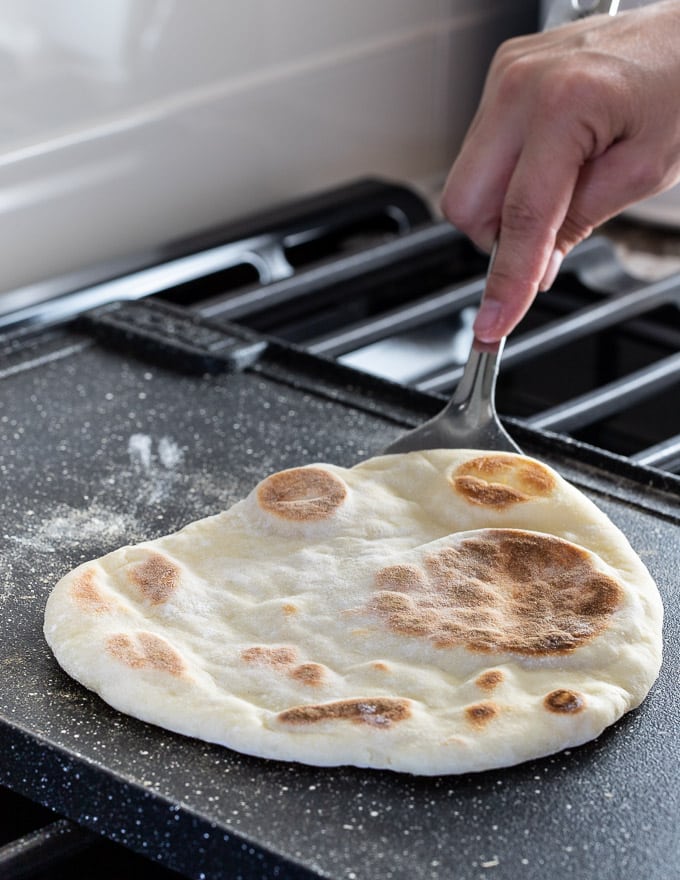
{"points": [[260, 252]]}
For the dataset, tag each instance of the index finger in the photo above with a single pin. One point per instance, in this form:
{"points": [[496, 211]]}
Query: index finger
{"points": [[536, 202]]}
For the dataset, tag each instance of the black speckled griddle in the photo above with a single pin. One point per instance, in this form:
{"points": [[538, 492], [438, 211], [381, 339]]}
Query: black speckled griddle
{"points": [[101, 446]]}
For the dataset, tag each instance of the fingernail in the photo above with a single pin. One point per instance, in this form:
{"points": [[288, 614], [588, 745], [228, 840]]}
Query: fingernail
{"points": [[486, 322], [551, 271]]}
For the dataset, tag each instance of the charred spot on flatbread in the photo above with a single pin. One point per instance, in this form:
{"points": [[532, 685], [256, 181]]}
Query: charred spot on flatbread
{"points": [[87, 595], [401, 577], [502, 590], [381, 712], [405, 614], [310, 674], [500, 481], [303, 494], [284, 659], [145, 650], [564, 702], [489, 680], [157, 577], [263, 655], [480, 714]]}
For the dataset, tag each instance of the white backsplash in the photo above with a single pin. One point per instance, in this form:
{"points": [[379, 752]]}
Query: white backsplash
{"points": [[127, 123]]}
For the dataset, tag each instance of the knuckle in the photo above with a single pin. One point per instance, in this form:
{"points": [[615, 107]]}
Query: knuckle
{"points": [[585, 103], [566, 85], [514, 277], [509, 52], [479, 230], [575, 229], [647, 175], [517, 269], [453, 210], [514, 74], [520, 216]]}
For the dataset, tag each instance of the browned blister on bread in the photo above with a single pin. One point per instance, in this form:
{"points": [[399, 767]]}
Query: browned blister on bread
{"points": [[87, 595], [489, 680], [285, 659], [264, 655], [145, 650], [156, 577], [499, 480], [500, 591], [302, 494], [564, 701], [310, 674], [480, 714], [379, 713]]}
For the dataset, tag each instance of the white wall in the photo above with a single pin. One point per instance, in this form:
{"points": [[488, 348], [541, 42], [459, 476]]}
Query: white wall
{"points": [[126, 123]]}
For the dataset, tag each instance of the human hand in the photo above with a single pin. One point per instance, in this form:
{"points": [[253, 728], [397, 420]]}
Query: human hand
{"points": [[574, 125]]}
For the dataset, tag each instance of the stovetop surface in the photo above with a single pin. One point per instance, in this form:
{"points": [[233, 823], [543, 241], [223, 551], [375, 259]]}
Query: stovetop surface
{"points": [[605, 810], [105, 441]]}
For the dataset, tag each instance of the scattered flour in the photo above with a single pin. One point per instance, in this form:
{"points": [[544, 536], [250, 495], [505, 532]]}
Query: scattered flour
{"points": [[125, 506], [65, 527], [121, 506], [157, 468], [116, 509]]}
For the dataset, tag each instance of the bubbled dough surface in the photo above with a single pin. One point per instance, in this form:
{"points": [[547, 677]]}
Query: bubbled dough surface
{"points": [[435, 612]]}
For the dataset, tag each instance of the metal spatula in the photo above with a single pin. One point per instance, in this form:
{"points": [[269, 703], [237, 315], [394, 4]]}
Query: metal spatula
{"points": [[469, 419]]}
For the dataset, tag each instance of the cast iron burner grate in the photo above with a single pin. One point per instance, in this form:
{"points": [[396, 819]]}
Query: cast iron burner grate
{"points": [[364, 274]]}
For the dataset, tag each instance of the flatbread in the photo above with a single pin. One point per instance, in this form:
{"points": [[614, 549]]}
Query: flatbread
{"points": [[434, 612]]}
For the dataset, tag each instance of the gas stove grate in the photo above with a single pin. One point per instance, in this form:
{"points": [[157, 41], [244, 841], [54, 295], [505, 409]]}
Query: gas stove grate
{"points": [[365, 275]]}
